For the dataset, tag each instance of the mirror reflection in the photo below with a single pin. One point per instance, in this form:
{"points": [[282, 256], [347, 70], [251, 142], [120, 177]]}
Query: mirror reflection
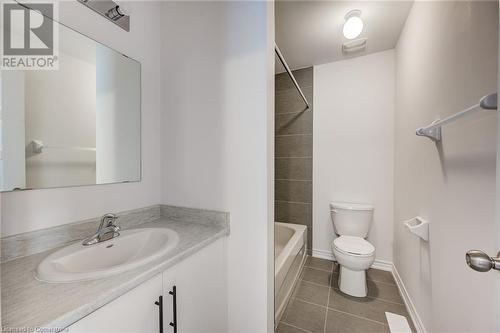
{"points": [[78, 125]]}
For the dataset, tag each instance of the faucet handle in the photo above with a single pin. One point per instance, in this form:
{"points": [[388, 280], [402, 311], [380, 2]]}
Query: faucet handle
{"points": [[108, 220]]}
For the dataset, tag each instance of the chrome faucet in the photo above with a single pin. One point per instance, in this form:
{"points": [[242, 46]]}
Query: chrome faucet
{"points": [[108, 229]]}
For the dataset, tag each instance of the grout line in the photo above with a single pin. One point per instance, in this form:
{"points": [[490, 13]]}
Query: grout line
{"points": [[299, 328], [321, 269], [370, 297], [359, 317], [317, 284], [337, 310], [277, 114], [327, 307], [283, 157], [294, 180], [367, 278], [292, 89], [294, 202], [314, 284], [285, 135], [378, 299], [328, 299]]}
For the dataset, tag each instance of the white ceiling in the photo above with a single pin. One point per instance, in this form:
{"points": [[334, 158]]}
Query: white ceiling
{"points": [[310, 32]]}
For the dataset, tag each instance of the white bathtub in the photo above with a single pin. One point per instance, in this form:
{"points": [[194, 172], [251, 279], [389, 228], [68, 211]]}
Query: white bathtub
{"points": [[289, 258]]}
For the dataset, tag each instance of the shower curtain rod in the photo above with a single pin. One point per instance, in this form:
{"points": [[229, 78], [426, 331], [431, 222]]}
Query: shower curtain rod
{"points": [[283, 62]]}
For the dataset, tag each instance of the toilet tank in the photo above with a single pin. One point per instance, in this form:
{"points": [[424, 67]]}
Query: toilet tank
{"points": [[351, 219]]}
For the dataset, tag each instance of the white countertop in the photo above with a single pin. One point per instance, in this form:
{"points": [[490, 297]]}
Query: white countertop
{"points": [[28, 303]]}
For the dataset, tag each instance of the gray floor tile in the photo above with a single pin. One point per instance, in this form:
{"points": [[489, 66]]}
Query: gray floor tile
{"points": [[304, 315], [286, 328], [370, 308], [316, 276], [384, 291], [381, 276], [338, 322], [318, 263], [311, 293]]}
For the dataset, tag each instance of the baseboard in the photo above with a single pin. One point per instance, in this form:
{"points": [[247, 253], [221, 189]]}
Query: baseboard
{"points": [[417, 322], [322, 254], [382, 265], [386, 266], [328, 255]]}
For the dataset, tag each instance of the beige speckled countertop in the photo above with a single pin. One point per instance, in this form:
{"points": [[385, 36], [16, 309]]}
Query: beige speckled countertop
{"points": [[28, 303]]}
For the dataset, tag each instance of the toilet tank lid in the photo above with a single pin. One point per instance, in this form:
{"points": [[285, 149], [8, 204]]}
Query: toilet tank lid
{"points": [[350, 206]]}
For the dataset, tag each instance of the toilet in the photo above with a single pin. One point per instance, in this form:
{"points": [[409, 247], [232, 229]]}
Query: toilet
{"points": [[351, 222]]}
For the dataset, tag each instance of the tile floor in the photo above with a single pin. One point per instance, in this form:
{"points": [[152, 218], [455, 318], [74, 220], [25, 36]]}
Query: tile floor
{"points": [[317, 306]]}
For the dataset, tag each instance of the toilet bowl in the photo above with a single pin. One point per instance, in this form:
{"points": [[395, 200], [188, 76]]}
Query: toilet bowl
{"points": [[353, 253]]}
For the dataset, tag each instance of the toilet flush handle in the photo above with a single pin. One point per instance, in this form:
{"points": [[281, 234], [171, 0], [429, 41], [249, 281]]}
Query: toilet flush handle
{"points": [[334, 211]]}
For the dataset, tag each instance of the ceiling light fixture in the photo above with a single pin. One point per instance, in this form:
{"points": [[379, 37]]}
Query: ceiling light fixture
{"points": [[353, 25]]}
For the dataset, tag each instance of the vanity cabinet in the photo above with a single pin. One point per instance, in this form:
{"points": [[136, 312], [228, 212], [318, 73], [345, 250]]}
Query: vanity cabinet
{"points": [[201, 299], [133, 312], [201, 292]]}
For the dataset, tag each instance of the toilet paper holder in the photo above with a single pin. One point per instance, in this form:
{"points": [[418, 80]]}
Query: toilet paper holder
{"points": [[419, 227]]}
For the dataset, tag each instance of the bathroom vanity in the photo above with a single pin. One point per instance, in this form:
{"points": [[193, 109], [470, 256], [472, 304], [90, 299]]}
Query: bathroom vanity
{"points": [[160, 269], [197, 304], [184, 290]]}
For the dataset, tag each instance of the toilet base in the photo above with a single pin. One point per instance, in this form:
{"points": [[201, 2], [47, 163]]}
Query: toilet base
{"points": [[353, 282]]}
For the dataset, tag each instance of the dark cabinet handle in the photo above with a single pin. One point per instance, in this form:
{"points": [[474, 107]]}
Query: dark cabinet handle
{"points": [[173, 292], [159, 302]]}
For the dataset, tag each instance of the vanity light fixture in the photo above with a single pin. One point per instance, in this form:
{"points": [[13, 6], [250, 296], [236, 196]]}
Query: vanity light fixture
{"points": [[111, 11], [115, 13], [353, 25]]}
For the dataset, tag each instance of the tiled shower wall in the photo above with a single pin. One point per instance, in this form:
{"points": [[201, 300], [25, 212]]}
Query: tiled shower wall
{"points": [[293, 150]]}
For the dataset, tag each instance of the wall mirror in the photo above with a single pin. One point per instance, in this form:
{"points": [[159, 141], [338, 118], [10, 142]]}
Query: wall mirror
{"points": [[78, 125]]}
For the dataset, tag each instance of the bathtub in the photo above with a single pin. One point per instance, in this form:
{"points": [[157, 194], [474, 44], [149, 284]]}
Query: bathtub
{"points": [[289, 258]]}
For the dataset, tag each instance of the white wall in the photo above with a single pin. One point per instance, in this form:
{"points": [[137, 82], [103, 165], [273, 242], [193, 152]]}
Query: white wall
{"points": [[446, 59], [31, 210], [217, 136], [353, 145]]}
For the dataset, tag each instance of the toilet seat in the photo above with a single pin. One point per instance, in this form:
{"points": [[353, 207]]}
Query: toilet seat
{"points": [[354, 246]]}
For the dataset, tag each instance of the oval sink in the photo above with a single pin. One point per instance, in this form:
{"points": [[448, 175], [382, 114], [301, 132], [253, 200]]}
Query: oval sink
{"points": [[133, 248]]}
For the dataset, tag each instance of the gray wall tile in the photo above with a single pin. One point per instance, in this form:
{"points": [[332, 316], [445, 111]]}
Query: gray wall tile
{"points": [[294, 123], [297, 213], [293, 168], [289, 100], [294, 128], [293, 146], [303, 76], [291, 190], [290, 212]]}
